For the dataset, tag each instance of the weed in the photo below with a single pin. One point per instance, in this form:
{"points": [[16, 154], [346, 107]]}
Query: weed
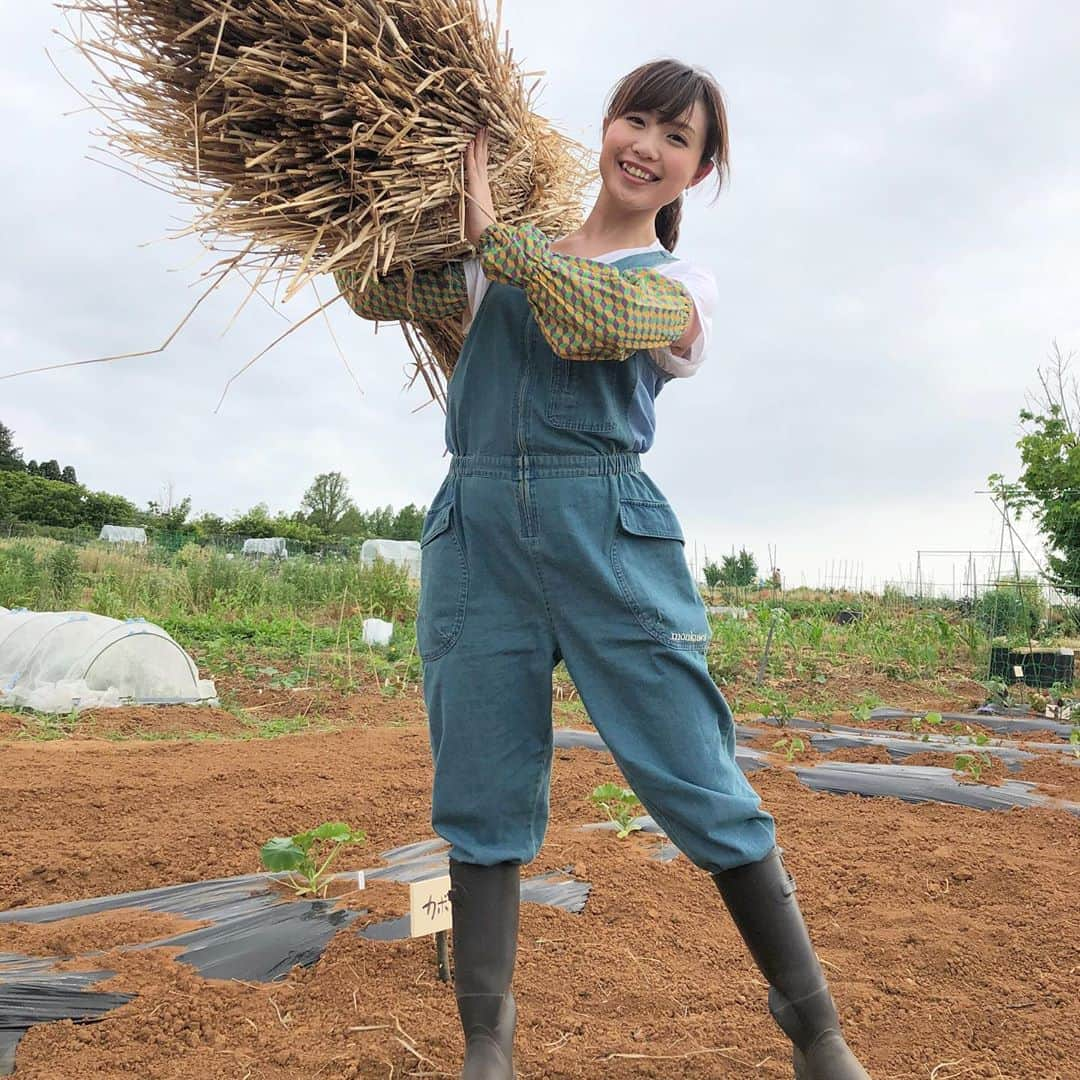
{"points": [[62, 572], [50, 726], [277, 726], [972, 638]]}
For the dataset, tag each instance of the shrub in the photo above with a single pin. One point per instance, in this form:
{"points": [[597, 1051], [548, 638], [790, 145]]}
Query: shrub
{"points": [[1013, 609]]}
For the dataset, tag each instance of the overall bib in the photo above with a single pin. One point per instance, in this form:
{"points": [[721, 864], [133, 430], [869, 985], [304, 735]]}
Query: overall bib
{"points": [[546, 541]]}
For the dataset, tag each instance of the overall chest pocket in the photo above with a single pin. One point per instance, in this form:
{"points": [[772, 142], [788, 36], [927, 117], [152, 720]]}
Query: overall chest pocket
{"points": [[591, 395], [649, 563], [444, 586]]}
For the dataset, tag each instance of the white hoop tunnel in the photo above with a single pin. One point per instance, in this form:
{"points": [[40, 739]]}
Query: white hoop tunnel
{"points": [[59, 660]]}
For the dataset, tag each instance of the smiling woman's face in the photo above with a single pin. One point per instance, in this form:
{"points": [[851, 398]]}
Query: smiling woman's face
{"points": [[646, 163]]}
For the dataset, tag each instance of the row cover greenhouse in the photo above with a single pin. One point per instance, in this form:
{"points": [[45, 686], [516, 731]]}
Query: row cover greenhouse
{"points": [[59, 660]]}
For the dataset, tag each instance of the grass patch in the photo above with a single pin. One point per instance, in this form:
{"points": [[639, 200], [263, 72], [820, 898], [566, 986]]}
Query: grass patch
{"points": [[280, 726], [46, 727]]}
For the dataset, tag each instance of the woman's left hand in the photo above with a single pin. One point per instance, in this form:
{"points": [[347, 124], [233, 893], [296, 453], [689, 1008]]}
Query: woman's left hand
{"points": [[479, 209]]}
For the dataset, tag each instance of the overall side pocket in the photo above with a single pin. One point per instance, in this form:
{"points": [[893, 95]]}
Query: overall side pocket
{"points": [[444, 586], [649, 564]]}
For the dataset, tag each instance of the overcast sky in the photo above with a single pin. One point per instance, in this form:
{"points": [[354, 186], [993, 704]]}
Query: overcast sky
{"points": [[895, 254]]}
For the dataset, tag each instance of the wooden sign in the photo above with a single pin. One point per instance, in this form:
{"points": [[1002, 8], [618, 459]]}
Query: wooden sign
{"points": [[429, 906]]}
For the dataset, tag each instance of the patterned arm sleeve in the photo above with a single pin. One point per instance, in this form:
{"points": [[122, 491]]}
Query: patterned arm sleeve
{"points": [[585, 309], [426, 294]]}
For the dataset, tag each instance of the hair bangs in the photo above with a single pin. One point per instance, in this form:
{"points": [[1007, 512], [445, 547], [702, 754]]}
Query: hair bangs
{"points": [[670, 93], [670, 89]]}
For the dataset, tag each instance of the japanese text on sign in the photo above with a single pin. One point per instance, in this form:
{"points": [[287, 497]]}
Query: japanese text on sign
{"points": [[429, 906]]}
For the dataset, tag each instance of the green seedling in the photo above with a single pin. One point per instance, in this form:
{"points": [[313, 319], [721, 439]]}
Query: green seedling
{"points": [[972, 764], [790, 745], [299, 855], [620, 804], [966, 733], [865, 708], [778, 705], [931, 719], [1074, 740], [997, 690]]}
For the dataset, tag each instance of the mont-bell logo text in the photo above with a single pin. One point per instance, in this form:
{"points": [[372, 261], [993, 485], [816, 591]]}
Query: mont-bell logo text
{"points": [[689, 637]]}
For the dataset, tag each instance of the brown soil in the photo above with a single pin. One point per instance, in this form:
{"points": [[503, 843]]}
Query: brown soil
{"points": [[89, 933], [1054, 775], [948, 933], [861, 755]]}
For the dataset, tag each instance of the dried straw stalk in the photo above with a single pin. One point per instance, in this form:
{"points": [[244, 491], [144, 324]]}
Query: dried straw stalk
{"points": [[321, 134]]}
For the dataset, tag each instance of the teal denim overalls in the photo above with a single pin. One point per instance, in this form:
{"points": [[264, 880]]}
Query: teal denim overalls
{"points": [[546, 541]]}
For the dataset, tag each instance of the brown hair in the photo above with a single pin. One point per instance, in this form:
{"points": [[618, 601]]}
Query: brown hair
{"points": [[670, 88]]}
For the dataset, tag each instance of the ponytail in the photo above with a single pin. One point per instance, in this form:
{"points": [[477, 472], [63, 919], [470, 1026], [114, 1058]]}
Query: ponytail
{"points": [[668, 220]]}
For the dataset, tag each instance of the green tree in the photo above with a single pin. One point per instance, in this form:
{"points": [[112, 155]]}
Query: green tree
{"points": [[408, 523], [254, 522], [11, 459], [103, 508], [380, 523], [50, 469], [209, 526], [353, 523], [168, 518], [34, 499], [712, 573], [1049, 487], [39, 501], [739, 569], [68, 475], [327, 500]]}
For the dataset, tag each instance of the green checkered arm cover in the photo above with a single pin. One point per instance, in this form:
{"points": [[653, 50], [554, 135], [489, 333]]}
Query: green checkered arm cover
{"points": [[585, 309], [429, 294]]}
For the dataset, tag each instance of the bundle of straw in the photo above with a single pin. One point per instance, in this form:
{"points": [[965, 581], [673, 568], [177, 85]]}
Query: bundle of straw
{"points": [[325, 134]]}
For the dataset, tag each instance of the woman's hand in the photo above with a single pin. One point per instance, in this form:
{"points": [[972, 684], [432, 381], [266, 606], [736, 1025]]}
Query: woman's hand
{"points": [[479, 209]]}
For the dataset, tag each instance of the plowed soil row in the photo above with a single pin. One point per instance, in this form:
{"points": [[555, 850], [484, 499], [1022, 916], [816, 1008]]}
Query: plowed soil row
{"points": [[949, 934]]}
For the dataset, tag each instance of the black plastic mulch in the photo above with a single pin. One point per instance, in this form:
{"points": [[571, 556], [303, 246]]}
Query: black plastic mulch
{"points": [[254, 935]]}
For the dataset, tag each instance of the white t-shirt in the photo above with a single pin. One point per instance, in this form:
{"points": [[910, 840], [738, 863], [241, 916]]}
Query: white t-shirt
{"points": [[699, 282]]}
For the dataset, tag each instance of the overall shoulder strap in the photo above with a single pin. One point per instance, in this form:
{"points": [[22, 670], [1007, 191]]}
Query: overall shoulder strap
{"points": [[644, 260]]}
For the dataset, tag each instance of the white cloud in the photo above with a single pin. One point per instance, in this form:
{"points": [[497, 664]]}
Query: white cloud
{"points": [[895, 253]]}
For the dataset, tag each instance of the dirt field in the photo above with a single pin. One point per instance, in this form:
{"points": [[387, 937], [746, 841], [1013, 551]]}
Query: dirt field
{"points": [[950, 935]]}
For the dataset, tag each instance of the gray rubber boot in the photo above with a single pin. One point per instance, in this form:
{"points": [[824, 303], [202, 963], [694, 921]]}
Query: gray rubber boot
{"points": [[485, 902], [761, 899]]}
